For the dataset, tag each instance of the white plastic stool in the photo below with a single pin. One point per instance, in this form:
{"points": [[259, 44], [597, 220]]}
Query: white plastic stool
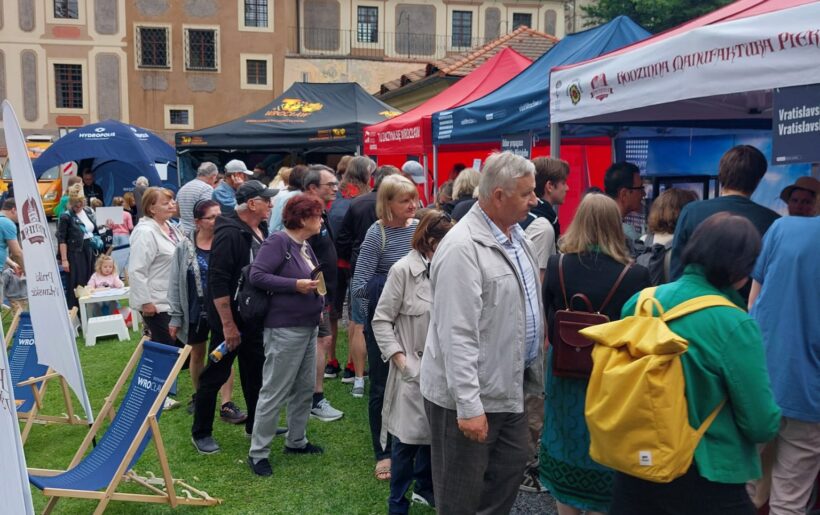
{"points": [[104, 326]]}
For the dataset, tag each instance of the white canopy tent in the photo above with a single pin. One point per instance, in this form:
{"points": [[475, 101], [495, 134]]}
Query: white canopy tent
{"points": [[715, 71]]}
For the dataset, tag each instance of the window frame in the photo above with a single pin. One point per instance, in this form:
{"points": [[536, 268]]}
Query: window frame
{"points": [[243, 73], [52, 18], [468, 35], [373, 24], [138, 46], [520, 13], [186, 43], [167, 108], [240, 16], [52, 86]]}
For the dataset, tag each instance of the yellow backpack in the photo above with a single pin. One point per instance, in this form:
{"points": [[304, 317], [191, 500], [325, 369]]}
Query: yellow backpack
{"points": [[636, 400]]}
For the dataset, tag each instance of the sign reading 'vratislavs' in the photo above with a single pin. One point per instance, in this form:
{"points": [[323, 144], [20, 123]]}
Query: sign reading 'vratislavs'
{"points": [[796, 124]]}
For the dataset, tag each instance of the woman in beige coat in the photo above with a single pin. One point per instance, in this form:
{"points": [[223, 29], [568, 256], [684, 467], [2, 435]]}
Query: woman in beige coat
{"points": [[400, 326]]}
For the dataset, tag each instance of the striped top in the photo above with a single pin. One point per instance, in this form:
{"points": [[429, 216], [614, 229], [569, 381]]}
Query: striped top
{"points": [[187, 197], [374, 261]]}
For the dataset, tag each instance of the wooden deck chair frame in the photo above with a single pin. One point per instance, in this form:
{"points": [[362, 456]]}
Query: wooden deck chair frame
{"points": [[149, 423], [38, 387]]}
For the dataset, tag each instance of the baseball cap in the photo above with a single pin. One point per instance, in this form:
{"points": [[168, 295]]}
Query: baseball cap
{"points": [[414, 170], [237, 166], [252, 189]]}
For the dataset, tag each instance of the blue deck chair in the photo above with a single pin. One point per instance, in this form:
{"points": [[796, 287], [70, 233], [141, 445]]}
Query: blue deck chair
{"points": [[30, 378], [97, 475]]}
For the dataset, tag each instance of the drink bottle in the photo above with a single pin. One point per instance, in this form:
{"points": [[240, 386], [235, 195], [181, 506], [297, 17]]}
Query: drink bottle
{"points": [[219, 352]]}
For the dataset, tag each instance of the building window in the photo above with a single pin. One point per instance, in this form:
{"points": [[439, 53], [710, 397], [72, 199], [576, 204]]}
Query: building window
{"points": [[522, 19], [367, 25], [179, 116], [68, 86], [462, 28], [256, 13], [201, 49], [66, 9], [256, 72], [152, 47]]}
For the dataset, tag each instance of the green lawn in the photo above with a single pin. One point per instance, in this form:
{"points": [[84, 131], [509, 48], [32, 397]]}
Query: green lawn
{"points": [[340, 481]]}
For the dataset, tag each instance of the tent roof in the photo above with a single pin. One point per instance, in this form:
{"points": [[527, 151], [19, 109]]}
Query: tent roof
{"points": [[524, 40], [521, 104], [715, 70], [409, 133], [307, 116]]}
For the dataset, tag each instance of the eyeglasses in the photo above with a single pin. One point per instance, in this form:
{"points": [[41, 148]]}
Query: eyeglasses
{"points": [[331, 184]]}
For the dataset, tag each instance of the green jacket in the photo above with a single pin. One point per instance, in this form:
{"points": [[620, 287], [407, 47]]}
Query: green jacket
{"points": [[725, 359]]}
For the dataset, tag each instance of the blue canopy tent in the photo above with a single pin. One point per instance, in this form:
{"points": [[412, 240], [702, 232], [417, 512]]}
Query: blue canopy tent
{"points": [[522, 104], [118, 153]]}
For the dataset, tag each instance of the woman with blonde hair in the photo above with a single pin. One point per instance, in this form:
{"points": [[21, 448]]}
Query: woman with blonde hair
{"points": [[280, 181], [464, 188], [594, 262], [386, 241]]}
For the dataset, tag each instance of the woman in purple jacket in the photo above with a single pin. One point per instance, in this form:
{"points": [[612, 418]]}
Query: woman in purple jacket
{"points": [[284, 267]]}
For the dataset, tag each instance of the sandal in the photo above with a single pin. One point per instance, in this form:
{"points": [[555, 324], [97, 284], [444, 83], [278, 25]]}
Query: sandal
{"points": [[382, 471]]}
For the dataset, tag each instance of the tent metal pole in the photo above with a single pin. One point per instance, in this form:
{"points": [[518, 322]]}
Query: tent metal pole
{"points": [[435, 170], [425, 165], [555, 141], [358, 150]]}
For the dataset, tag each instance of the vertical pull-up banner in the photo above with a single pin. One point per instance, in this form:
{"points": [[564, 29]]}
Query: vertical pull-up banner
{"points": [[53, 333], [14, 489]]}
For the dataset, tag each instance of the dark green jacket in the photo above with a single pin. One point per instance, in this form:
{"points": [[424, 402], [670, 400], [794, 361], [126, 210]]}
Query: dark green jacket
{"points": [[725, 359]]}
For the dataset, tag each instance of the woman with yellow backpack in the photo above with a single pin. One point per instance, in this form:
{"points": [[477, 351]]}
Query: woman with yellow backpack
{"points": [[727, 390]]}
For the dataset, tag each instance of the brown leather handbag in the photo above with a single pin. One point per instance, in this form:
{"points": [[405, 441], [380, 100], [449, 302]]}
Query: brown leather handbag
{"points": [[571, 352]]}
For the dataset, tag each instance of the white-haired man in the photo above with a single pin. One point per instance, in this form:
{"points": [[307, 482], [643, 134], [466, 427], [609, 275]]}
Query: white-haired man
{"points": [[484, 346], [201, 188]]}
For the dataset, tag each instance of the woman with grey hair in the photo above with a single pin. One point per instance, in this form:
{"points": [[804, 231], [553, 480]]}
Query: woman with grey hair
{"points": [[465, 190]]}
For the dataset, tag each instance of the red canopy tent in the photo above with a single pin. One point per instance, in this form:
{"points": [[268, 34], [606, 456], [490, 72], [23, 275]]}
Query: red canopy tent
{"points": [[411, 133]]}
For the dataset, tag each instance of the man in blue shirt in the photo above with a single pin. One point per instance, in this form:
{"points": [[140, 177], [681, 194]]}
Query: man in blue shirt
{"points": [[8, 237], [225, 193], [785, 302]]}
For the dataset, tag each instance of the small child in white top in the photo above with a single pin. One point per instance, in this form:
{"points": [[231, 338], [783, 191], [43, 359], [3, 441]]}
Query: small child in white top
{"points": [[105, 276]]}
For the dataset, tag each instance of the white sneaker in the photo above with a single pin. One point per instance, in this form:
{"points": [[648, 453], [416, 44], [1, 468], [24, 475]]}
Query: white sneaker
{"points": [[325, 412], [358, 387], [169, 404]]}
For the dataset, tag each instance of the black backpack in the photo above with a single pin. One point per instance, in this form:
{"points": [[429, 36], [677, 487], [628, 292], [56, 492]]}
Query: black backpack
{"points": [[656, 258], [252, 303]]}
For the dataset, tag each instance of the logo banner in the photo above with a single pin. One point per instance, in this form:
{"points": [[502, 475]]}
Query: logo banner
{"points": [[53, 332], [770, 50], [14, 489]]}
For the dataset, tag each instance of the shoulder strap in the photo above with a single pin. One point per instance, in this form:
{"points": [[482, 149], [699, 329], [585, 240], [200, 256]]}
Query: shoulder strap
{"points": [[383, 233], [667, 263], [708, 422], [697, 304], [561, 280], [615, 287]]}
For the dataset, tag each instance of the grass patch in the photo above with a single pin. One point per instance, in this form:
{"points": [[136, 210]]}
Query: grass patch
{"points": [[341, 480]]}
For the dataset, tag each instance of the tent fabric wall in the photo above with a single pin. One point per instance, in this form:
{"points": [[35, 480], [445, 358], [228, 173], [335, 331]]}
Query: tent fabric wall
{"points": [[522, 104], [411, 132]]}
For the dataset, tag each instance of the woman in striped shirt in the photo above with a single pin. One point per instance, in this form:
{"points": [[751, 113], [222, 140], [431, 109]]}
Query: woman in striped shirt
{"points": [[388, 240]]}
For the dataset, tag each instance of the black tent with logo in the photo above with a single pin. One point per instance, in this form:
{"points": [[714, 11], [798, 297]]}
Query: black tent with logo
{"points": [[307, 118]]}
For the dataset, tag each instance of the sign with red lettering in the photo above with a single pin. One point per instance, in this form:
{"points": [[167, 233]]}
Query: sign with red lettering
{"points": [[688, 73]]}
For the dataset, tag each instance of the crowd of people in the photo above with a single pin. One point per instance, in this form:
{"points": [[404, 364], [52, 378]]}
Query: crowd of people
{"points": [[451, 313]]}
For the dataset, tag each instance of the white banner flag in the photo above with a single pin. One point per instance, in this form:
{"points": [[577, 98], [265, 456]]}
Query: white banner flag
{"points": [[14, 489], [53, 332]]}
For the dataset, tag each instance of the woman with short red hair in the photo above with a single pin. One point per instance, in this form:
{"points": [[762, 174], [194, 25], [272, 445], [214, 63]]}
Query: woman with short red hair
{"points": [[285, 267]]}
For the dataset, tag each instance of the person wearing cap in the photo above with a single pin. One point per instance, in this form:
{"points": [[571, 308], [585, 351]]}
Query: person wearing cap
{"points": [[238, 235], [415, 172], [801, 197], [236, 173]]}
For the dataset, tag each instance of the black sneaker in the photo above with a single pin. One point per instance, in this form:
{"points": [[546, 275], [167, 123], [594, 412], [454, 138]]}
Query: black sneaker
{"points": [[261, 468], [348, 375], [332, 369], [205, 445], [231, 414], [309, 448]]}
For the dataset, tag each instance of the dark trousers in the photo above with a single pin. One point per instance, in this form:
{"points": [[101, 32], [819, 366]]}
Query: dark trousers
{"points": [[377, 376], [251, 357], [158, 326], [408, 462], [690, 493], [477, 478]]}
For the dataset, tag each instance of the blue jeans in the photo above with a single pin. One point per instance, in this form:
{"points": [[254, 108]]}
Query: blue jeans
{"points": [[409, 462]]}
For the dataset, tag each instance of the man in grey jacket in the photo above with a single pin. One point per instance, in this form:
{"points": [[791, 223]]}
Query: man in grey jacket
{"points": [[485, 345]]}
